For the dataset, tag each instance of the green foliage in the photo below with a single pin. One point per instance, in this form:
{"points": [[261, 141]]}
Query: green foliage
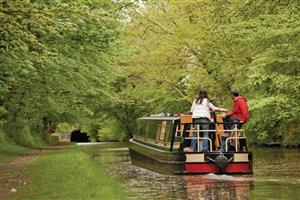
{"points": [[86, 62], [292, 137], [55, 65], [24, 134], [8, 148], [64, 128], [251, 45], [111, 131], [272, 78]]}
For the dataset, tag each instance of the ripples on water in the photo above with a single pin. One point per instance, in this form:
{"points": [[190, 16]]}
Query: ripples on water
{"points": [[276, 176]]}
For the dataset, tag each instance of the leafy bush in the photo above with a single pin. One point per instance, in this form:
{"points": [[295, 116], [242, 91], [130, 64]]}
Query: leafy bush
{"points": [[8, 147], [111, 132]]}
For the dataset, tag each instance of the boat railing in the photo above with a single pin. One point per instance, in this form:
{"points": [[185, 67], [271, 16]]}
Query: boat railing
{"points": [[236, 142], [180, 129], [199, 139], [235, 134]]}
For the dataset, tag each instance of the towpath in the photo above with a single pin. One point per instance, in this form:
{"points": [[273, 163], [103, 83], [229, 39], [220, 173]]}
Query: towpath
{"points": [[11, 176]]}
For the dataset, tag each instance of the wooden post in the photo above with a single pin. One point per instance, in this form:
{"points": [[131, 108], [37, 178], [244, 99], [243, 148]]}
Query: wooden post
{"points": [[219, 131]]}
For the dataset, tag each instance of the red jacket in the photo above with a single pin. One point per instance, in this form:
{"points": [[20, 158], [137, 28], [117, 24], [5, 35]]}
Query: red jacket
{"points": [[240, 109]]}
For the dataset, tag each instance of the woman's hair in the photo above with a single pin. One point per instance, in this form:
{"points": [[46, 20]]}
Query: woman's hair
{"points": [[202, 94]]}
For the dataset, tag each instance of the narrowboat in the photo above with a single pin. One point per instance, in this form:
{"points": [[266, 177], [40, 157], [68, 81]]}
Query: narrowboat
{"points": [[162, 144]]}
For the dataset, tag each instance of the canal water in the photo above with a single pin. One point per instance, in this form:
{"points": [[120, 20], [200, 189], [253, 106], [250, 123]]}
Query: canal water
{"points": [[276, 176]]}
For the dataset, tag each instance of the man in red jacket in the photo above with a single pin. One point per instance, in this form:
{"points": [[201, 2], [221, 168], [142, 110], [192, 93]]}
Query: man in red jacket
{"points": [[239, 112], [238, 115]]}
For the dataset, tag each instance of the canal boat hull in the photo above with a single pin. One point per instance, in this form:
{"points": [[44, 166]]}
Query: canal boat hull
{"points": [[179, 162]]}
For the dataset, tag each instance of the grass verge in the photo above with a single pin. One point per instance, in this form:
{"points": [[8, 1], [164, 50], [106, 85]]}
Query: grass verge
{"points": [[69, 174]]}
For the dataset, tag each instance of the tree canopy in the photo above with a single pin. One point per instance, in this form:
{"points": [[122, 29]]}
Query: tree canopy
{"points": [[250, 45], [103, 63]]}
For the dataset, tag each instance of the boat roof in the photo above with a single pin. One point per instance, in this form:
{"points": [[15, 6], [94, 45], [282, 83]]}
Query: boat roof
{"points": [[160, 118]]}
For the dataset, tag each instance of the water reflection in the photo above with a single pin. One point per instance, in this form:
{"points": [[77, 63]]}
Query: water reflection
{"points": [[276, 176], [217, 187]]}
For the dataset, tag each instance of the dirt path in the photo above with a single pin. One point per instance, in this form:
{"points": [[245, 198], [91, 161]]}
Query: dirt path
{"points": [[11, 178]]}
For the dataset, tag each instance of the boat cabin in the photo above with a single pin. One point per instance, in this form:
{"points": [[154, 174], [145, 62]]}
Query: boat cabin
{"points": [[176, 133]]}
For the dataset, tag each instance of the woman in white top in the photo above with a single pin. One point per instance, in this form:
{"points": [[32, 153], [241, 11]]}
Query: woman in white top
{"points": [[200, 110]]}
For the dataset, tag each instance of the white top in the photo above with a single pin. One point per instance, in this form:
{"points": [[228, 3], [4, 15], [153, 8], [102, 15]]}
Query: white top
{"points": [[203, 109]]}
